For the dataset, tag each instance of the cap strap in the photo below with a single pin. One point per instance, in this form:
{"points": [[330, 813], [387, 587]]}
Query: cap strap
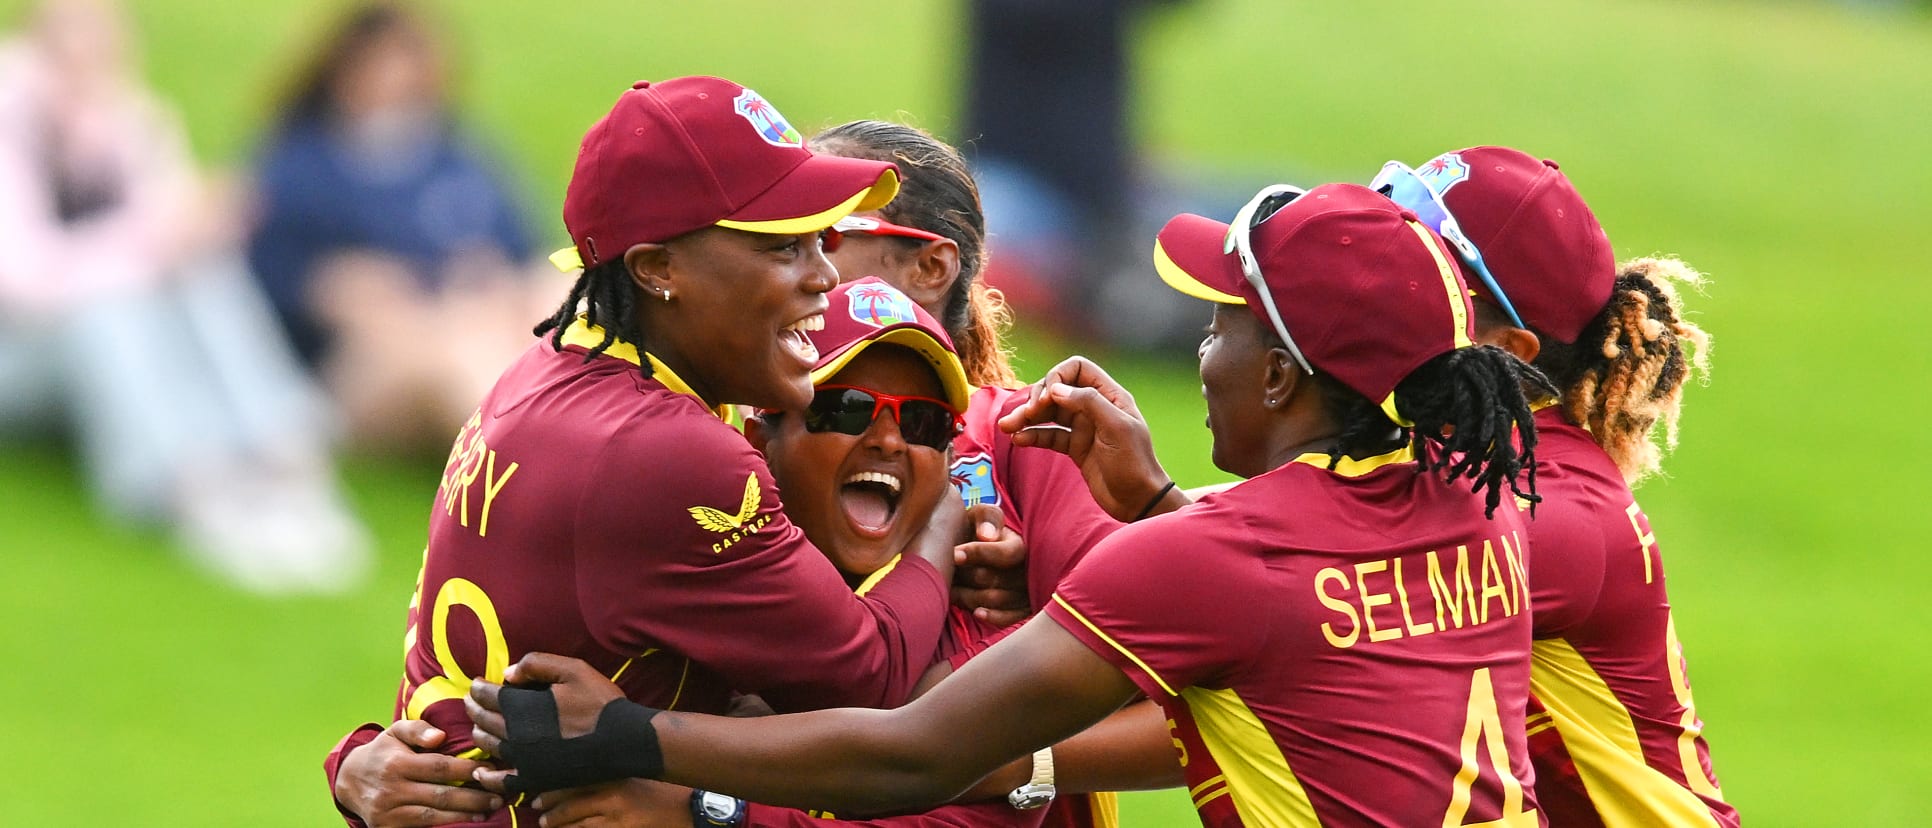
{"points": [[1458, 300]]}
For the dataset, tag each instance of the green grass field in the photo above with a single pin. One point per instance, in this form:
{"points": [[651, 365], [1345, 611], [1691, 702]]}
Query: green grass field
{"points": [[1781, 147]]}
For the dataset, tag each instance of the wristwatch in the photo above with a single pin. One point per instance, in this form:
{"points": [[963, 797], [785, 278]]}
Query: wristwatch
{"points": [[715, 810], [1039, 790]]}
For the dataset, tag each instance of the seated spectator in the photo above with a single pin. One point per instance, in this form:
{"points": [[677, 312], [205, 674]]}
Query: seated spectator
{"points": [[379, 217], [127, 317]]}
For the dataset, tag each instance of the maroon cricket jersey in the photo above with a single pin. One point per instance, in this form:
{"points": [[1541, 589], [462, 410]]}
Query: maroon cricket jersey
{"points": [[1617, 741], [1345, 647], [591, 511], [1040, 491]]}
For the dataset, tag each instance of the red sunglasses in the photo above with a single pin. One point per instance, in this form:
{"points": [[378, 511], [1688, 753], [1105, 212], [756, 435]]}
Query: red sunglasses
{"points": [[873, 227], [923, 421]]}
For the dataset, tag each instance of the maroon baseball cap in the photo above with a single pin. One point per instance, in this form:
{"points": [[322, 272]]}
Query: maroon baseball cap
{"points": [[868, 312], [1367, 291], [687, 153], [1541, 242]]}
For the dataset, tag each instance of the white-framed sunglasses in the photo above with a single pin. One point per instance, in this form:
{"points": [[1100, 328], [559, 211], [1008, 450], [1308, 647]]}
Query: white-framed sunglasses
{"points": [[1407, 188], [1262, 207]]}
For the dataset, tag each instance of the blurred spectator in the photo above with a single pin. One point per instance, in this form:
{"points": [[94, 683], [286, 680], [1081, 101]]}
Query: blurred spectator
{"points": [[125, 313], [1047, 107], [390, 245]]}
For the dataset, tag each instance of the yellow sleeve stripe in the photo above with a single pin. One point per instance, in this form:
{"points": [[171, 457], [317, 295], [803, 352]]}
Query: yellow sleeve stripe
{"points": [[873, 579], [1202, 803], [1115, 644], [1197, 789]]}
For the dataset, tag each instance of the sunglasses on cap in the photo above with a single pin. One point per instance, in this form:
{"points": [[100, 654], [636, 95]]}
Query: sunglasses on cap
{"points": [[1240, 242], [1407, 188], [867, 226], [923, 421]]}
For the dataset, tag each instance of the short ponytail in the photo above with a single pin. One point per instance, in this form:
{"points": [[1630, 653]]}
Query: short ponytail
{"points": [[1472, 420], [1625, 373]]}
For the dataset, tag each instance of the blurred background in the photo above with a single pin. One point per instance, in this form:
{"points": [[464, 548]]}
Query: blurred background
{"points": [[254, 258]]}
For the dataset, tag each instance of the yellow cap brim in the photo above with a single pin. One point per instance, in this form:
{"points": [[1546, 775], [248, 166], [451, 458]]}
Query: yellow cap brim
{"points": [[952, 375], [1179, 279], [878, 195]]}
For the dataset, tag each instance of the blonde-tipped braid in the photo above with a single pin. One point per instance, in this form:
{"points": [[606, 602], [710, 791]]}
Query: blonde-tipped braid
{"points": [[1625, 374]]}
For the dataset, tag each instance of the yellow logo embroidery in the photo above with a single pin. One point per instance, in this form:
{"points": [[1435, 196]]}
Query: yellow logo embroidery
{"points": [[734, 527]]}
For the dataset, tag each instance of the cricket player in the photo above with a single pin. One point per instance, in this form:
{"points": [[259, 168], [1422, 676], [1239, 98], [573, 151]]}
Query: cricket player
{"points": [[1614, 732]]}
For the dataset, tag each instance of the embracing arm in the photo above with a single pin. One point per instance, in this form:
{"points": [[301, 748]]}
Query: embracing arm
{"points": [[1037, 687]]}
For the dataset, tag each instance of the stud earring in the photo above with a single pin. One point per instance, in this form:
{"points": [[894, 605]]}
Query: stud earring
{"points": [[666, 294]]}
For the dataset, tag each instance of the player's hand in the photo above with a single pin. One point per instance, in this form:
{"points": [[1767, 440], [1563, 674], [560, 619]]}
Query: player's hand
{"points": [[1080, 411], [579, 691], [631, 803], [391, 785], [990, 578]]}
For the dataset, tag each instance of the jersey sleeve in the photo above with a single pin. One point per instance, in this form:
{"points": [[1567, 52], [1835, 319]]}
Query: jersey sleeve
{"points": [[688, 550], [332, 765], [1062, 521], [1166, 605], [990, 814]]}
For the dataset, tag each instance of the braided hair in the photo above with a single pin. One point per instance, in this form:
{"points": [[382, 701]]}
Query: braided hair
{"points": [[937, 194], [1472, 419], [1625, 373], [604, 296]]}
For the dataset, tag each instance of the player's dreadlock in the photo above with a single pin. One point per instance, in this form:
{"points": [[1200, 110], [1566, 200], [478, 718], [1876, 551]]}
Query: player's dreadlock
{"points": [[1625, 373], [937, 194], [606, 297], [1472, 420]]}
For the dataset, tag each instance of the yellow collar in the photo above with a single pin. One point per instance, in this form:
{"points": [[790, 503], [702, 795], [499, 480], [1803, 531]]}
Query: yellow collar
{"points": [[587, 336], [1351, 467]]}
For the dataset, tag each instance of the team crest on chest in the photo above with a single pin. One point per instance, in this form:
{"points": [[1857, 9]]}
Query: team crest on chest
{"points": [[879, 305], [1444, 171], [764, 117], [973, 474]]}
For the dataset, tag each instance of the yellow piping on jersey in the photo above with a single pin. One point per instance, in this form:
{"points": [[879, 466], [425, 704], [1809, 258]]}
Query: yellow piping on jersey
{"points": [[1351, 467], [1115, 644], [877, 575]]}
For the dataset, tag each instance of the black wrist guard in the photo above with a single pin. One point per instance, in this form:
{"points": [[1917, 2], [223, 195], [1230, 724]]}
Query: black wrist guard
{"points": [[623, 746]]}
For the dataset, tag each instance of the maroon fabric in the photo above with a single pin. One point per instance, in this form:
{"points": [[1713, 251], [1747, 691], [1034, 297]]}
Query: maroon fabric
{"points": [[1307, 595], [1362, 295], [1538, 238], [679, 155], [1597, 583], [332, 764], [569, 517]]}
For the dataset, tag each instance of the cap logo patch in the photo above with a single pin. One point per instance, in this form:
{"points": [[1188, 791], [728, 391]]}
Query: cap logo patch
{"points": [[879, 306], [973, 474], [771, 126], [1443, 171]]}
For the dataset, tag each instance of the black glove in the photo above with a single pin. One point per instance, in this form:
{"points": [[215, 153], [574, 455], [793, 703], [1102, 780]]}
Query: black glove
{"points": [[623, 746]]}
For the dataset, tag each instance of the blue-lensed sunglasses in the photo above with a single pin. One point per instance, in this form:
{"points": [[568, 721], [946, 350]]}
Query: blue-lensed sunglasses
{"points": [[1404, 186]]}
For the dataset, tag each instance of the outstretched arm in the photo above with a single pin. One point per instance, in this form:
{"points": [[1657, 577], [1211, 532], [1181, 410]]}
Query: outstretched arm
{"points": [[1035, 688]]}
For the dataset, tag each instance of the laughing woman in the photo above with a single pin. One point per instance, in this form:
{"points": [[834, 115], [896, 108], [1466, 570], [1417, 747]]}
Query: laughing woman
{"points": [[596, 504]]}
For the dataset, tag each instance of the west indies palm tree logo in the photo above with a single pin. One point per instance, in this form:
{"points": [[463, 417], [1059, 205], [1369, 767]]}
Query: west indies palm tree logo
{"points": [[764, 117], [879, 305], [1443, 171]]}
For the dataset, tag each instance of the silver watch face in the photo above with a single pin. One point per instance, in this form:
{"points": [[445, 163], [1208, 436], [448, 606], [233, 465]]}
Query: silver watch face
{"points": [[718, 806], [1028, 797]]}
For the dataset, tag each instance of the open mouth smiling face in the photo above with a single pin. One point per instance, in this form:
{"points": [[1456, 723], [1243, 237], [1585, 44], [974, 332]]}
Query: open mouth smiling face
{"points": [[860, 498]]}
